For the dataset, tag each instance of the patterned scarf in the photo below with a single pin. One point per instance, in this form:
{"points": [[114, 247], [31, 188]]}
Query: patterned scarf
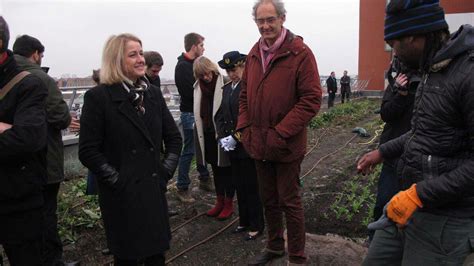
{"points": [[267, 53], [136, 93]]}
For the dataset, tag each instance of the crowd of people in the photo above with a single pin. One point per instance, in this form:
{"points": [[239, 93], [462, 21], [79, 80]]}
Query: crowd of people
{"points": [[251, 128]]}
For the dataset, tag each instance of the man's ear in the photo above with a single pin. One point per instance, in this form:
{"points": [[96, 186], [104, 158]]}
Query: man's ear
{"points": [[283, 17], [1, 44]]}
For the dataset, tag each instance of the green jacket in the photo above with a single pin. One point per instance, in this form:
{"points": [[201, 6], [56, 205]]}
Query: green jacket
{"points": [[58, 118]]}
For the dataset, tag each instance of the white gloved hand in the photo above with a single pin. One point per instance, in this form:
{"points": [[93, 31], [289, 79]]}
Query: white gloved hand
{"points": [[230, 143], [221, 142]]}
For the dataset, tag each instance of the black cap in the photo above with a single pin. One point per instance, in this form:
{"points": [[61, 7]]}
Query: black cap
{"points": [[230, 59], [411, 17]]}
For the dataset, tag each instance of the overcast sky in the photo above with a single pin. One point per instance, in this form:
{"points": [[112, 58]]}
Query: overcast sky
{"points": [[74, 32]]}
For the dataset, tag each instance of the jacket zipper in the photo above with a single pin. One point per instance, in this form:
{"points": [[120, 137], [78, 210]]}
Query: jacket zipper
{"points": [[430, 172], [417, 106]]}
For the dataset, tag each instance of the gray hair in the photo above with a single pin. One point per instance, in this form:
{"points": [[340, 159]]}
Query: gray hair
{"points": [[278, 4]]}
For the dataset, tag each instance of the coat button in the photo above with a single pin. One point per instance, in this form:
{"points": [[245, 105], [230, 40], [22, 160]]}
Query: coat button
{"points": [[154, 175], [151, 149], [134, 151]]}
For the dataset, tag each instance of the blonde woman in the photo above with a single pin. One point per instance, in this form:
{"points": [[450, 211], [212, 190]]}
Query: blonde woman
{"points": [[207, 100], [124, 121]]}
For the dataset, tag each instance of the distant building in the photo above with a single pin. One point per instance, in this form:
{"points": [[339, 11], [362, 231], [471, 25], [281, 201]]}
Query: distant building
{"points": [[374, 54], [76, 82]]}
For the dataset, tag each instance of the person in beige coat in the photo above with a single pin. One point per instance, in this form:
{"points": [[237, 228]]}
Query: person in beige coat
{"points": [[207, 100]]}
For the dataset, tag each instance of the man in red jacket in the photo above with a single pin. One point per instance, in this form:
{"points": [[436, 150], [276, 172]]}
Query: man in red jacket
{"points": [[281, 93]]}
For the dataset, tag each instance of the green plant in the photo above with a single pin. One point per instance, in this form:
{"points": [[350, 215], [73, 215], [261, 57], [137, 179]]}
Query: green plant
{"points": [[76, 210], [356, 197], [344, 113]]}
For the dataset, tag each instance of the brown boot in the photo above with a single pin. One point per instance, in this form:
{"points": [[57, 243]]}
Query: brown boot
{"points": [[217, 208], [228, 209]]}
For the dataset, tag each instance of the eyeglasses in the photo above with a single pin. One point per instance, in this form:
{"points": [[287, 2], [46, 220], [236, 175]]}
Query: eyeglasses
{"points": [[269, 20]]}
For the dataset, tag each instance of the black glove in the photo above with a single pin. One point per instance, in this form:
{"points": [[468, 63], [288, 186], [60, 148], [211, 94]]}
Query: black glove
{"points": [[170, 164], [108, 175]]}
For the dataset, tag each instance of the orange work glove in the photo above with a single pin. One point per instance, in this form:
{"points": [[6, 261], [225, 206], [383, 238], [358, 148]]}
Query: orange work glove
{"points": [[402, 206]]}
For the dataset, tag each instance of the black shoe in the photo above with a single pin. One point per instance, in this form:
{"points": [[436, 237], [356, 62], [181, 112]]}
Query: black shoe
{"points": [[172, 213], [252, 237], [239, 229], [264, 258], [106, 252], [72, 263]]}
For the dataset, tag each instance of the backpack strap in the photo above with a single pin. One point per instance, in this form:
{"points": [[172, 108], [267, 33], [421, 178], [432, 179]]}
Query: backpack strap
{"points": [[12, 83]]}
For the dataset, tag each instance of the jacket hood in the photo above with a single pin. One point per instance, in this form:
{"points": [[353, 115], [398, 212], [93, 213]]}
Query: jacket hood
{"points": [[182, 57], [25, 64], [459, 42]]}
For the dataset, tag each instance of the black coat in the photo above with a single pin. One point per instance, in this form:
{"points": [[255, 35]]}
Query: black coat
{"points": [[226, 118], [135, 214], [22, 152], [331, 84], [438, 152], [345, 83], [396, 111]]}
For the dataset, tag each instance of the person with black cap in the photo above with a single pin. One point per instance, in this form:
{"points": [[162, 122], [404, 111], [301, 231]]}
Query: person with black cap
{"points": [[244, 174], [434, 212], [23, 133]]}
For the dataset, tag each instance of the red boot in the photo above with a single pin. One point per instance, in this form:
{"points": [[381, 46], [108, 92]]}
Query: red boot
{"points": [[218, 208], [228, 209]]}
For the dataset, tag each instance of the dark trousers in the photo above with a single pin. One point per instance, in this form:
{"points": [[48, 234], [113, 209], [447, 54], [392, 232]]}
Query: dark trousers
{"points": [[244, 178], [345, 94], [27, 253], [428, 239], [92, 188], [388, 185], [223, 181], [52, 245], [331, 97], [280, 193], [156, 260]]}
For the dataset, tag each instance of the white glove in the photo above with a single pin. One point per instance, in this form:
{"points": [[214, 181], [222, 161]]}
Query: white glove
{"points": [[221, 142], [229, 143]]}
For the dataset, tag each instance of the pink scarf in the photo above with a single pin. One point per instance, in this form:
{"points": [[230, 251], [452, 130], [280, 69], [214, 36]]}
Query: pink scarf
{"points": [[267, 53]]}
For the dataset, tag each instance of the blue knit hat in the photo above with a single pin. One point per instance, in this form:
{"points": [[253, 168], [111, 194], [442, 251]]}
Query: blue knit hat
{"points": [[411, 17]]}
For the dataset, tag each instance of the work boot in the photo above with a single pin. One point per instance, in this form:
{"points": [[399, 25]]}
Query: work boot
{"points": [[228, 209], [264, 258], [217, 208], [206, 185], [185, 196]]}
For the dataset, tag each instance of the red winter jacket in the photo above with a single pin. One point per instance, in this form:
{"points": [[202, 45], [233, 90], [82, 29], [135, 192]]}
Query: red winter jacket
{"points": [[275, 107]]}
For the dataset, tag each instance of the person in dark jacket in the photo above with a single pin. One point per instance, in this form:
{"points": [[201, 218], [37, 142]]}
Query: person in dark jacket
{"points": [[154, 63], [207, 100], [435, 208], [280, 94], [244, 174], [331, 84], [184, 78], [23, 138], [396, 111], [345, 87], [28, 54], [125, 109]]}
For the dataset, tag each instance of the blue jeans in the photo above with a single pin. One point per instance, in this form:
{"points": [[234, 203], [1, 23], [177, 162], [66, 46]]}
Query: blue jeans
{"points": [[187, 121]]}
